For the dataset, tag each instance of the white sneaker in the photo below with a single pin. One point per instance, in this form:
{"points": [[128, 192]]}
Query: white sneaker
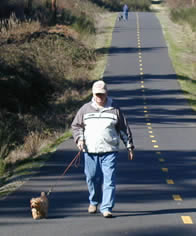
{"points": [[92, 209], [107, 214]]}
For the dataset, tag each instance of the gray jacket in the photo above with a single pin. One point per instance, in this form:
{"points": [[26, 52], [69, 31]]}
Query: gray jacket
{"points": [[101, 129]]}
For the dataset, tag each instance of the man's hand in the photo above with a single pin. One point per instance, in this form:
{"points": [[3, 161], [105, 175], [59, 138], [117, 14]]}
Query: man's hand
{"points": [[130, 155], [80, 145]]}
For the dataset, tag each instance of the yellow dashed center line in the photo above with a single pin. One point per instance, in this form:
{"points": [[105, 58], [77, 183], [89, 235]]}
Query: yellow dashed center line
{"points": [[187, 219], [177, 197], [164, 169], [169, 181]]}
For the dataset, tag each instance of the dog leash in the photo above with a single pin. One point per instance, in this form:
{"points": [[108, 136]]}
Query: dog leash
{"points": [[75, 161]]}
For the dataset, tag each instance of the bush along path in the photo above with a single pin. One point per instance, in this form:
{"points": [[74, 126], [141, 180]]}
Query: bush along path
{"points": [[47, 80], [43, 83]]}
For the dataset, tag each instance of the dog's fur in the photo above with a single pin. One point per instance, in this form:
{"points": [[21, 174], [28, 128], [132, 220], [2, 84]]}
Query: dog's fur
{"points": [[39, 206]]}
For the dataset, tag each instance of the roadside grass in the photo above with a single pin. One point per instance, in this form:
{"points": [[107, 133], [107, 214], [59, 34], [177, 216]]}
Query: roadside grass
{"points": [[20, 171], [180, 39], [103, 42], [181, 15]]}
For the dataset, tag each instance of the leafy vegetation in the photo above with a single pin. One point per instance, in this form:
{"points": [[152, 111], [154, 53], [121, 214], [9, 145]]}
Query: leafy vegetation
{"points": [[180, 36], [182, 11], [117, 5], [185, 15]]}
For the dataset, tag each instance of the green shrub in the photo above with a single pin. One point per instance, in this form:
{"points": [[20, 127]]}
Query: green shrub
{"points": [[83, 24], [2, 168], [181, 15], [7, 136], [139, 5], [46, 63], [117, 5]]}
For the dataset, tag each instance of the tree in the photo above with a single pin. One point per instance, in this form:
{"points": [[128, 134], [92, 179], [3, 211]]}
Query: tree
{"points": [[54, 2]]}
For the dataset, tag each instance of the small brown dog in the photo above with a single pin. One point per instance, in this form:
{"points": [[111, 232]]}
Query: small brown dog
{"points": [[39, 206]]}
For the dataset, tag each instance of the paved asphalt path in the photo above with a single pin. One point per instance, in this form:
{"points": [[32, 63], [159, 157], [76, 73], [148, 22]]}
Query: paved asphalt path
{"points": [[156, 193]]}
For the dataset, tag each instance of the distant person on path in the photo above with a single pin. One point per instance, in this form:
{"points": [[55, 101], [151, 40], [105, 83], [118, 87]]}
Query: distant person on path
{"points": [[97, 129], [125, 12]]}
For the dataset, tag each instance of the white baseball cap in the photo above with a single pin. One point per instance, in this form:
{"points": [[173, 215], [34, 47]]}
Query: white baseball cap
{"points": [[99, 87]]}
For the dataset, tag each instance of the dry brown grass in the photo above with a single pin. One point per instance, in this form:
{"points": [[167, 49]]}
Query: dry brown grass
{"points": [[14, 28], [32, 143], [62, 61], [179, 3], [180, 39]]}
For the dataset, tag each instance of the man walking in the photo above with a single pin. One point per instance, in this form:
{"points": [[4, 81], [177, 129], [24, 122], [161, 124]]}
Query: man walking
{"points": [[125, 12], [97, 127]]}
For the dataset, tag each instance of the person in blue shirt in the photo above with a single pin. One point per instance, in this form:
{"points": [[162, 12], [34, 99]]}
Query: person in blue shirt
{"points": [[125, 12]]}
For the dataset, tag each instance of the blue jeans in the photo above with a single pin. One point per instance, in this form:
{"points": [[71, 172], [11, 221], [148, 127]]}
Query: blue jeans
{"points": [[100, 171], [125, 15]]}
